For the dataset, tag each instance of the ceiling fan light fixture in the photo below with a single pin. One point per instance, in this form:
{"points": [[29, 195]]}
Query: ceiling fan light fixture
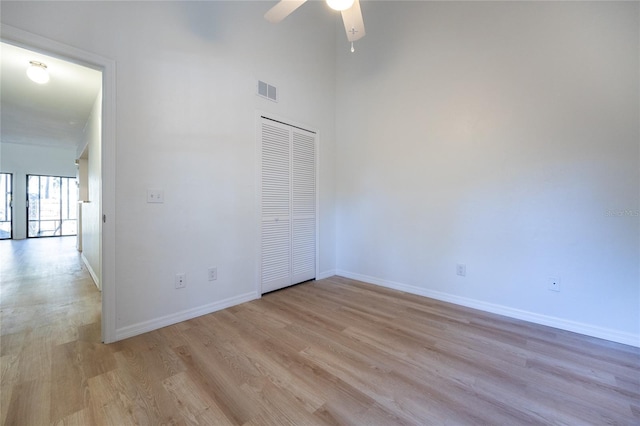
{"points": [[37, 72], [340, 5]]}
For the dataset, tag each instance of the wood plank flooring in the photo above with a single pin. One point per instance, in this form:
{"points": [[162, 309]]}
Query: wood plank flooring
{"points": [[334, 351]]}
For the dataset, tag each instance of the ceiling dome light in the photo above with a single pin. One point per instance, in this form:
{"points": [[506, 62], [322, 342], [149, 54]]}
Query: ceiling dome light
{"points": [[37, 72], [340, 5]]}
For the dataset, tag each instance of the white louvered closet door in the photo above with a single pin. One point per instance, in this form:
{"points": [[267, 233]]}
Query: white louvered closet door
{"points": [[303, 210], [288, 197], [276, 206]]}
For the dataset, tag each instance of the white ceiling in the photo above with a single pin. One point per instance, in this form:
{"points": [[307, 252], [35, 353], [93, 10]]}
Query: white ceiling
{"points": [[51, 114]]}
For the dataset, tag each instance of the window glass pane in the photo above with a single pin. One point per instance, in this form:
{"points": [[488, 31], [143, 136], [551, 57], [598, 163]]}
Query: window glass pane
{"points": [[5, 230], [69, 227], [6, 216], [64, 198], [73, 199], [53, 204], [49, 198], [3, 197], [33, 183]]}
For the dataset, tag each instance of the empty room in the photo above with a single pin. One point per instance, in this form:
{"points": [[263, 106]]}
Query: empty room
{"points": [[330, 212]]}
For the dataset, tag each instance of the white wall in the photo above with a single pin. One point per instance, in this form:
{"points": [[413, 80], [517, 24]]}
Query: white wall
{"points": [[91, 210], [186, 111], [495, 134], [501, 135], [22, 160], [83, 178]]}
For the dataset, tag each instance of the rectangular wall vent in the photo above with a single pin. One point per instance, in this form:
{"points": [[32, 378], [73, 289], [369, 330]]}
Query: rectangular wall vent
{"points": [[267, 91]]}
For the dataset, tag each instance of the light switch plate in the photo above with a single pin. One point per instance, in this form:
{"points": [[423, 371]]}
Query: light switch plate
{"points": [[155, 196]]}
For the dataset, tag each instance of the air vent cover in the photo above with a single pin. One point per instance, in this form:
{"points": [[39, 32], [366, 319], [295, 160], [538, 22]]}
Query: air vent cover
{"points": [[267, 91]]}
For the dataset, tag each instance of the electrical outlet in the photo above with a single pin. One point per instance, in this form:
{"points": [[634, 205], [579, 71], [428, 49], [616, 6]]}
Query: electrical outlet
{"points": [[213, 273], [553, 283], [461, 269], [181, 280]]}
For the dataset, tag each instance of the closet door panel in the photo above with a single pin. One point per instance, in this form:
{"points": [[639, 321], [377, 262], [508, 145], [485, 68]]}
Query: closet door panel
{"points": [[276, 254], [276, 172], [303, 208], [304, 250], [276, 207]]}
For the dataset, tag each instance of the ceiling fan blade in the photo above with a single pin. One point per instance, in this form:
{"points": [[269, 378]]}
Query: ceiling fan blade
{"points": [[281, 10], [353, 22]]}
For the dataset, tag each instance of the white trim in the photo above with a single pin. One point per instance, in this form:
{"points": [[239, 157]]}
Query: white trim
{"points": [[154, 324], [54, 48], [555, 322], [93, 274], [325, 274], [317, 154]]}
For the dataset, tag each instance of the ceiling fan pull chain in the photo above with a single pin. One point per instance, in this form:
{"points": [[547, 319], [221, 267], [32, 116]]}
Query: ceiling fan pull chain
{"points": [[352, 49]]}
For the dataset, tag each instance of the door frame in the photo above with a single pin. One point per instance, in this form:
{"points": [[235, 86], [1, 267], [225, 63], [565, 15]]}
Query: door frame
{"points": [[37, 43], [258, 200]]}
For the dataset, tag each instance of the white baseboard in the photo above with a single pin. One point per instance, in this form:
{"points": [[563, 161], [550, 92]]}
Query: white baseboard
{"points": [[93, 274], [325, 274], [560, 323], [156, 323]]}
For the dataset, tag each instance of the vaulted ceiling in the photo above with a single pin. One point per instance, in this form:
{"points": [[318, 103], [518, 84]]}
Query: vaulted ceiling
{"points": [[51, 114]]}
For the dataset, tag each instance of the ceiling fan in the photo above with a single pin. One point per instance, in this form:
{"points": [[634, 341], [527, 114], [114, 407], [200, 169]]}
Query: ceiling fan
{"points": [[350, 9]]}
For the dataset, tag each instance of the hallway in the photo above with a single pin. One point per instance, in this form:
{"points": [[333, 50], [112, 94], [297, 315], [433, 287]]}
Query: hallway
{"points": [[49, 313]]}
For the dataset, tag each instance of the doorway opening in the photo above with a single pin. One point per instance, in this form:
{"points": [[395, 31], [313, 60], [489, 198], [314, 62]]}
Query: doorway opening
{"points": [[103, 205]]}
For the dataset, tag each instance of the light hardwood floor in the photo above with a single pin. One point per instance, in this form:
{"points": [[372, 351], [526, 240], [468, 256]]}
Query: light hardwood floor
{"points": [[334, 351]]}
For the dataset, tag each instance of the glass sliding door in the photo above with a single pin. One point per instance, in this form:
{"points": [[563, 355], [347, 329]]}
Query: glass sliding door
{"points": [[52, 206], [6, 204]]}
